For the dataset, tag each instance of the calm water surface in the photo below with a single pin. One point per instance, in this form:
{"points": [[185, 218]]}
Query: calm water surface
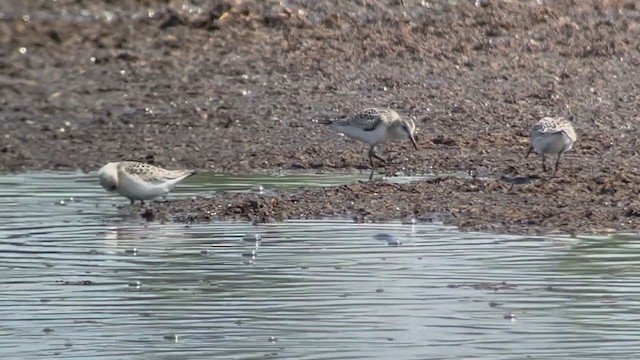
{"points": [[78, 281]]}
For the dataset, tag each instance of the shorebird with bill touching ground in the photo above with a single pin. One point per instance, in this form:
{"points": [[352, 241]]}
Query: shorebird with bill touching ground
{"points": [[374, 126], [139, 181], [551, 136]]}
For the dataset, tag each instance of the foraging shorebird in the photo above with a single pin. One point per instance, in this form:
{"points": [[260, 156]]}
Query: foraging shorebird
{"points": [[551, 136], [139, 181], [375, 126]]}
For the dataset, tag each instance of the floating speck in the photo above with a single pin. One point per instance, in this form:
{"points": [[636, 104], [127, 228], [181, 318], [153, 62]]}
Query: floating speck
{"points": [[250, 254], [509, 316], [252, 238], [61, 203], [47, 330], [273, 339], [205, 252], [379, 290], [394, 242], [411, 221], [171, 337], [384, 237], [135, 284], [133, 251]]}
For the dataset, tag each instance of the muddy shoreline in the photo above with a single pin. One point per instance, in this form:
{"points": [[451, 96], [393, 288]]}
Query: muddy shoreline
{"points": [[234, 87], [539, 207]]}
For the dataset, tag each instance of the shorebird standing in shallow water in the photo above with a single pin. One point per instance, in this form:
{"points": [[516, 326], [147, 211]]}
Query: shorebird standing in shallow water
{"points": [[139, 181], [553, 136], [375, 126]]}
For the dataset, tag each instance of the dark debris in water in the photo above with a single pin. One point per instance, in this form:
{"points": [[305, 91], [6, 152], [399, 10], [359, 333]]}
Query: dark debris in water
{"points": [[148, 214], [484, 286], [171, 337], [385, 237], [76, 283]]}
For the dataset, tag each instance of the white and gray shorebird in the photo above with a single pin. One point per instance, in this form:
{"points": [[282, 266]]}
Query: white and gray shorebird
{"points": [[374, 126], [551, 136], [139, 181]]}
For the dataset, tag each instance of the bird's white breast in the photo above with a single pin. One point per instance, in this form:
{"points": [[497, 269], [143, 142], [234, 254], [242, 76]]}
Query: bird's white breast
{"points": [[551, 143]]}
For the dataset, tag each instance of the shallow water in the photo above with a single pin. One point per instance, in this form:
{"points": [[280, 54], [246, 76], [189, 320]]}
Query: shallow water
{"points": [[80, 282]]}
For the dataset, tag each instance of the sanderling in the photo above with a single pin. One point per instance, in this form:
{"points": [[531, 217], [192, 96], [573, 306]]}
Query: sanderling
{"points": [[552, 136], [375, 126], [139, 181]]}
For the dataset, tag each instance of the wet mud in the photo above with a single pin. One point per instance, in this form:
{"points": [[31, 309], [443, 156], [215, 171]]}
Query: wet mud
{"points": [[601, 204], [235, 86]]}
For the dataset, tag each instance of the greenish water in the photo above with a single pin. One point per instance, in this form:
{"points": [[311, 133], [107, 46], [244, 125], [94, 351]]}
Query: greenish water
{"points": [[77, 281]]}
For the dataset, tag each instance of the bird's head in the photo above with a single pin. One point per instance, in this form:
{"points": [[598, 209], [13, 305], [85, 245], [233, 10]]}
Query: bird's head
{"points": [[108, 177]]}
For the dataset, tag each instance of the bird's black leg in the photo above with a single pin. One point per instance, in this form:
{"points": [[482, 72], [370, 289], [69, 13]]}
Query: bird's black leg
{"points": [[529, 151], [544, 166], [375, 156], [555, 169], [371, 156]]}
